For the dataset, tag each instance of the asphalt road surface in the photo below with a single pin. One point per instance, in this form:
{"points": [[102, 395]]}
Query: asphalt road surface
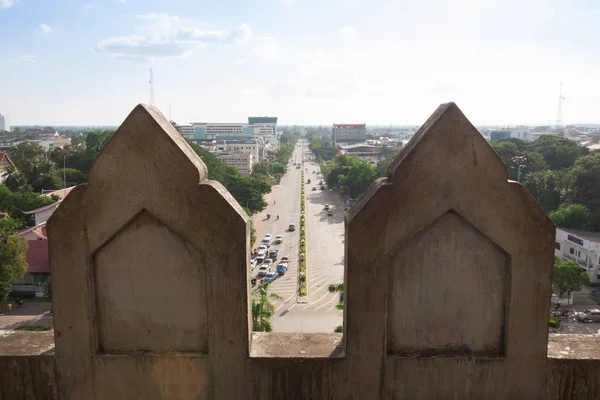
{"points": [[325, 248]]}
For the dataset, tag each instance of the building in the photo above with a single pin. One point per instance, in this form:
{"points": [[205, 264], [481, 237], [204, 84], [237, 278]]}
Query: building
{"points": [[4, 162], [243, 162], [497, 135], [41, 214], [187, 131], [362, 152], [349, 132], [4, 126], [264, 125], [581, 247], [238, 146]]}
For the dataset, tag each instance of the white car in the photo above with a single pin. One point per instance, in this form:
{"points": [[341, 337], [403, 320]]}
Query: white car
{"points": [[268, 236], [267, 262], [263, 270], [262, 247], [278, 239]]}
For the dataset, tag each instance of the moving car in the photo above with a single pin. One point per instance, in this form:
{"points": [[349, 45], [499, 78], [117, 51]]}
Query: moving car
{"points": [[267, 236], [589, 316], [282, 268], [278, 239], [270, 277], [266, 242], [314, 188], [267, 262], [330, 212], [263, 270], [284, 259], [327, 206], [292, 227], [273, 254], [322, 187]]}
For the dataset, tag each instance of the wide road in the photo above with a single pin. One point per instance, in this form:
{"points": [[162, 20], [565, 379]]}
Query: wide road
{"points": [[325, 249], [284, 200]]}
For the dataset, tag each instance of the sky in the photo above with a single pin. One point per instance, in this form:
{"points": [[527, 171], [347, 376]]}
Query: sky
{"points": [[70, 62]]}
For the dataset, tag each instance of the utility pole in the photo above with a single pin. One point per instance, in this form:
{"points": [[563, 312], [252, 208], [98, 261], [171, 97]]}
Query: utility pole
{"points": [[151, 87]]}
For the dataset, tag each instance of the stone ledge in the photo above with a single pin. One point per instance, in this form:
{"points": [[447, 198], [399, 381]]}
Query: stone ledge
{"points": [[572, 346], [296, 345]]}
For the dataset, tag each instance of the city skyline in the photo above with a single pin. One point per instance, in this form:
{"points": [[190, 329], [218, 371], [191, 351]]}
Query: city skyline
{"points": [[307, 62]]}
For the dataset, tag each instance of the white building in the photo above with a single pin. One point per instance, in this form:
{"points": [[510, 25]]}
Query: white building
{"points": [[243, 162], [581, 247], [4, 126], [187, 131], [238, 146]]}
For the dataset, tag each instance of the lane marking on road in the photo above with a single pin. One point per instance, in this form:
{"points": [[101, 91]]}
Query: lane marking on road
{"points": [[321, 298], [284, 303]]}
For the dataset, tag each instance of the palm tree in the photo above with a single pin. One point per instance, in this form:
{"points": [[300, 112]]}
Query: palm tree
{"points": [[262, 309]]}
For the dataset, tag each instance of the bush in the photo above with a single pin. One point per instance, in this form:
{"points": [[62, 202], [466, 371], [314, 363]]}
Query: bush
{"points": [[33, 328], [554, 322], [340, 306], [339, 329], [331, 288]]}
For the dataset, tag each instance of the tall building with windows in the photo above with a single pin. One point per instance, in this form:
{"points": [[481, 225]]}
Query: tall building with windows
{"points": [[349, 132], [4, 126]]}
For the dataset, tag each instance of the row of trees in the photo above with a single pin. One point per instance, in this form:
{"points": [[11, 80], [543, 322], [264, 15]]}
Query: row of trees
{"points": [[561, 175]]}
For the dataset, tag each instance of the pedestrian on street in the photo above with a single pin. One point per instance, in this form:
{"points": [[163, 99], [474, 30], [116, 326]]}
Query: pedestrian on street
{"points": [[557, 306]]}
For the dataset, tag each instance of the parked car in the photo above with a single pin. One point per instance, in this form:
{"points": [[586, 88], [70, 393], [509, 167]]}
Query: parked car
{"points": [[589, 316], [267, 262], [327, 206], [270, 277], [282, 268], [273, 254], [322, 187], [320, 182], [253, 264], [330, 213], [284, 259], [314, 188], [263, 270], [292, 227]]}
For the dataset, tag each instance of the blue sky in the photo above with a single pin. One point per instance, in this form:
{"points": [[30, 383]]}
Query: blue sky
{"points": [[69, 62]]}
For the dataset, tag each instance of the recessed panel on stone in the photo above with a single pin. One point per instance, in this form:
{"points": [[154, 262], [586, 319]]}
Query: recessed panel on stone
{"points": [[150, 293], [448, 293]]}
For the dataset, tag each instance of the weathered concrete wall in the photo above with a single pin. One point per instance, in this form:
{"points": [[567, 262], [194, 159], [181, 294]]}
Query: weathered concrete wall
{"points": [[444, 298]]}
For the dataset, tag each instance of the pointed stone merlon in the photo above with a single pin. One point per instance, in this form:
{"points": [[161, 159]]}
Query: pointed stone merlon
{"points": [[149, 257], [447, 258]]}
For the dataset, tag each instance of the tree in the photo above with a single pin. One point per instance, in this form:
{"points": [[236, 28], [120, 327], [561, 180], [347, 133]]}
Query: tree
{"points": [[262, 310], [25, 154], [13, 250], [15, 203], [546, 187], [558, 152], [573, 216], [568, 277], [358, 178], [583, 186]]}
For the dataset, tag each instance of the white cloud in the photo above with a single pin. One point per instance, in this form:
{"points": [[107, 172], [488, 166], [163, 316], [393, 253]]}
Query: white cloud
{"points": [[348, 31], [287, 3], [169, 36], [7, 3], [87, 6], [43, 29]]}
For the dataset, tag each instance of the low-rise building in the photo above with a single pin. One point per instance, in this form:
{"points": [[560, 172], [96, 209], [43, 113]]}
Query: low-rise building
{"points": [[581, 247], [362, 152], [243, 162]]}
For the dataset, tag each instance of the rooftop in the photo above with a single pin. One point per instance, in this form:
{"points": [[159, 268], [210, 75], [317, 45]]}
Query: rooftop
{"points": [[591, 236]]}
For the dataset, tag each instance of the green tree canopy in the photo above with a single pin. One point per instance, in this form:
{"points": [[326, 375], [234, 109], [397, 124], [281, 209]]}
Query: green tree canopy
{"points": [[583, 186], [13, 250], [568, 277], [558, 152], [572, 216]]}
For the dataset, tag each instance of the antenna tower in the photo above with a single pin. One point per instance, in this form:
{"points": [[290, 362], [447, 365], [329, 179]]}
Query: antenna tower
{"points": [[151, 87], [559, 113]]}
